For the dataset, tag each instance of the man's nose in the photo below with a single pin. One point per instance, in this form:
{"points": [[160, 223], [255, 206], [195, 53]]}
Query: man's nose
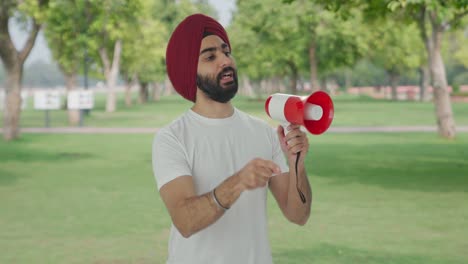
{"points": [[226, 60]]}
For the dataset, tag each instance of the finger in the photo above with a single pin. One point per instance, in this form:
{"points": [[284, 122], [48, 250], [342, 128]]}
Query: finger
{"points": [[296, 149], [294, 134], [265, 174], [270, 165], [281, 136], [296, 141], [280, 132], [260, 182], [293, 127]]}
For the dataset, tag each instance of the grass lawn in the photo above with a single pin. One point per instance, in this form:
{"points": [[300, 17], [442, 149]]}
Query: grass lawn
{"points": [[378, 198], [349, 111]]}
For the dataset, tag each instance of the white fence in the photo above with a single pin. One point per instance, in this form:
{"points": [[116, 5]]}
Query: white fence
{"points": [[50, 99]]}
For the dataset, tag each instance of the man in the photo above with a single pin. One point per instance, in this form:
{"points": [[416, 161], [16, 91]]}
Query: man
{"points": [[213, 164]]}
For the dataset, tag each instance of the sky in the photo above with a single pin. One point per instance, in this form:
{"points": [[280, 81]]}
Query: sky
{"points": [[41, 52]]}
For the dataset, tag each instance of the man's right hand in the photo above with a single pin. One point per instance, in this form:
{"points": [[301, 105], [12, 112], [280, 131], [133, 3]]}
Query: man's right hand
{"points": [[257, 173]]}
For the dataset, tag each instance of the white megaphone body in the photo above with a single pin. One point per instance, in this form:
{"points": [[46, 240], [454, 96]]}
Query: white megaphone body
{"points": [[315, 112]]}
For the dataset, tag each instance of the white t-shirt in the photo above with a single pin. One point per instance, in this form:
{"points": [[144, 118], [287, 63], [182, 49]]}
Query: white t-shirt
{"points": [[211, 150]]}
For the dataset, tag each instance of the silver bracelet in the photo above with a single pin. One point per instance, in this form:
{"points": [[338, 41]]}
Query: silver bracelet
{"points": [[220, 206]]}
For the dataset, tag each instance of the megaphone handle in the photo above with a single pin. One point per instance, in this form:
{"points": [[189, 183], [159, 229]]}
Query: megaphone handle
{"points": [[298, 155], [285, 127]]}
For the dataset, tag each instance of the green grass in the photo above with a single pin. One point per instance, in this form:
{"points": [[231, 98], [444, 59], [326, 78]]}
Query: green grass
{"points": [[349, 111], [378, 198]]}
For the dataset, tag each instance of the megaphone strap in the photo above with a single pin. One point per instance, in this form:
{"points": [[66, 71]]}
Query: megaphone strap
{"points": [[303, 199]]}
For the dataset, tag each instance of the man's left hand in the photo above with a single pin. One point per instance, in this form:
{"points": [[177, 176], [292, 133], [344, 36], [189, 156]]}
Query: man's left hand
{"points": [[293, 142]]}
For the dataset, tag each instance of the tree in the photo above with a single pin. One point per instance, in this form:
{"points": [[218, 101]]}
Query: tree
{"points": [[461, 54], [332, 42], [65, 32], [434, 18], [32, 14], [302, 37], [110, 22], [440, 15], [395, 47], [261, 36], [455, 52], [143, 56]]}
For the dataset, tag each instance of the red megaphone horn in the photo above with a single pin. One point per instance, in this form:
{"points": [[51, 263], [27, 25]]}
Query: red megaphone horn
{"points": [[315, 112]]}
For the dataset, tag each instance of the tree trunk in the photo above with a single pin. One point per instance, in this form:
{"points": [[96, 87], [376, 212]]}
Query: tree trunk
{"points": [[156, 91], [111, 71], [424, 81], [12, 107], [128, 94], [128, 89], [13, 61], [443, 105], [314, 82], [144, 94], [111, 100], [73, 114], [394, 77]]}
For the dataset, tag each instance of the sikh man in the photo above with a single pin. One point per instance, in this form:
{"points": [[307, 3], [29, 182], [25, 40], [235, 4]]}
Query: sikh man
{"points": [[214, 164]]}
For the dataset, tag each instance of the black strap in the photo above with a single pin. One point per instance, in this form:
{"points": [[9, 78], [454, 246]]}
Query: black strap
{"points": [[303, 199]]}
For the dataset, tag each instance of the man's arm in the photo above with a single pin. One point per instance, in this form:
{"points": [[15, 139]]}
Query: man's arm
{"points": [[284, 190], [191, 213], [284, 186]]}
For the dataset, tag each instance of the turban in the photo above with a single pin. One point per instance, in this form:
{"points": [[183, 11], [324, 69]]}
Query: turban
{"points": [[183, 51]]}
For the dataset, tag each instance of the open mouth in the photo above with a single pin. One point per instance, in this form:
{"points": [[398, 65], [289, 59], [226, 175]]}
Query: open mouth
{"points": [[227, 77]]}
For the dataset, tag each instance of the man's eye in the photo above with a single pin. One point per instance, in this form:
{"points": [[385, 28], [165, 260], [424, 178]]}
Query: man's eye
{"points": [[210, 58]]}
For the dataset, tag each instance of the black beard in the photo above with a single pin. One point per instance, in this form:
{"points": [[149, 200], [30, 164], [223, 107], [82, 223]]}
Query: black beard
{"points": [[214, 90]]}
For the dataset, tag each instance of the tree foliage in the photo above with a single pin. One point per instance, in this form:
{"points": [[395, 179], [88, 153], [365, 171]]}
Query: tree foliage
{"points": [[273, 38], [396, 46], [65, 32]]}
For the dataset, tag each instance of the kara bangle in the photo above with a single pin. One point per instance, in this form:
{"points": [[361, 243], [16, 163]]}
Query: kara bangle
{"points": [[220, 206]]}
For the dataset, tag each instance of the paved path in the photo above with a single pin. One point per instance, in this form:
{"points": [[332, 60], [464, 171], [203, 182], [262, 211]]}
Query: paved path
{"points": [[143, 130]]}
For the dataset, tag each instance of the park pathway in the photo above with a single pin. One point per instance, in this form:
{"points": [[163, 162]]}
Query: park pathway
{"points": [[145, 130]]}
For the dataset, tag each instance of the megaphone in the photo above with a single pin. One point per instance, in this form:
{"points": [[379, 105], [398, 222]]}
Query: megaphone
{"points": [[315, 112]]}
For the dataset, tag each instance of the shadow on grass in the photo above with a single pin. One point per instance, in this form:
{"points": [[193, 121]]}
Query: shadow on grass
{"points": [[7, 177], [32, 155], [432, 167], [327, 253], [18, 154]]}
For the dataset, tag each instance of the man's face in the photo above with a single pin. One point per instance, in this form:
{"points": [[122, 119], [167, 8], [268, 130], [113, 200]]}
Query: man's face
{"points": [[216, 75]]}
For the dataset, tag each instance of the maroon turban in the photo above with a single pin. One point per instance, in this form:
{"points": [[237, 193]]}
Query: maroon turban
{"points": [[183, 51]]}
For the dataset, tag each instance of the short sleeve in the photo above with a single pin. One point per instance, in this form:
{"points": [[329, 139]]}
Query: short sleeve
{"points": [[169, 158], [278, 155]]}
